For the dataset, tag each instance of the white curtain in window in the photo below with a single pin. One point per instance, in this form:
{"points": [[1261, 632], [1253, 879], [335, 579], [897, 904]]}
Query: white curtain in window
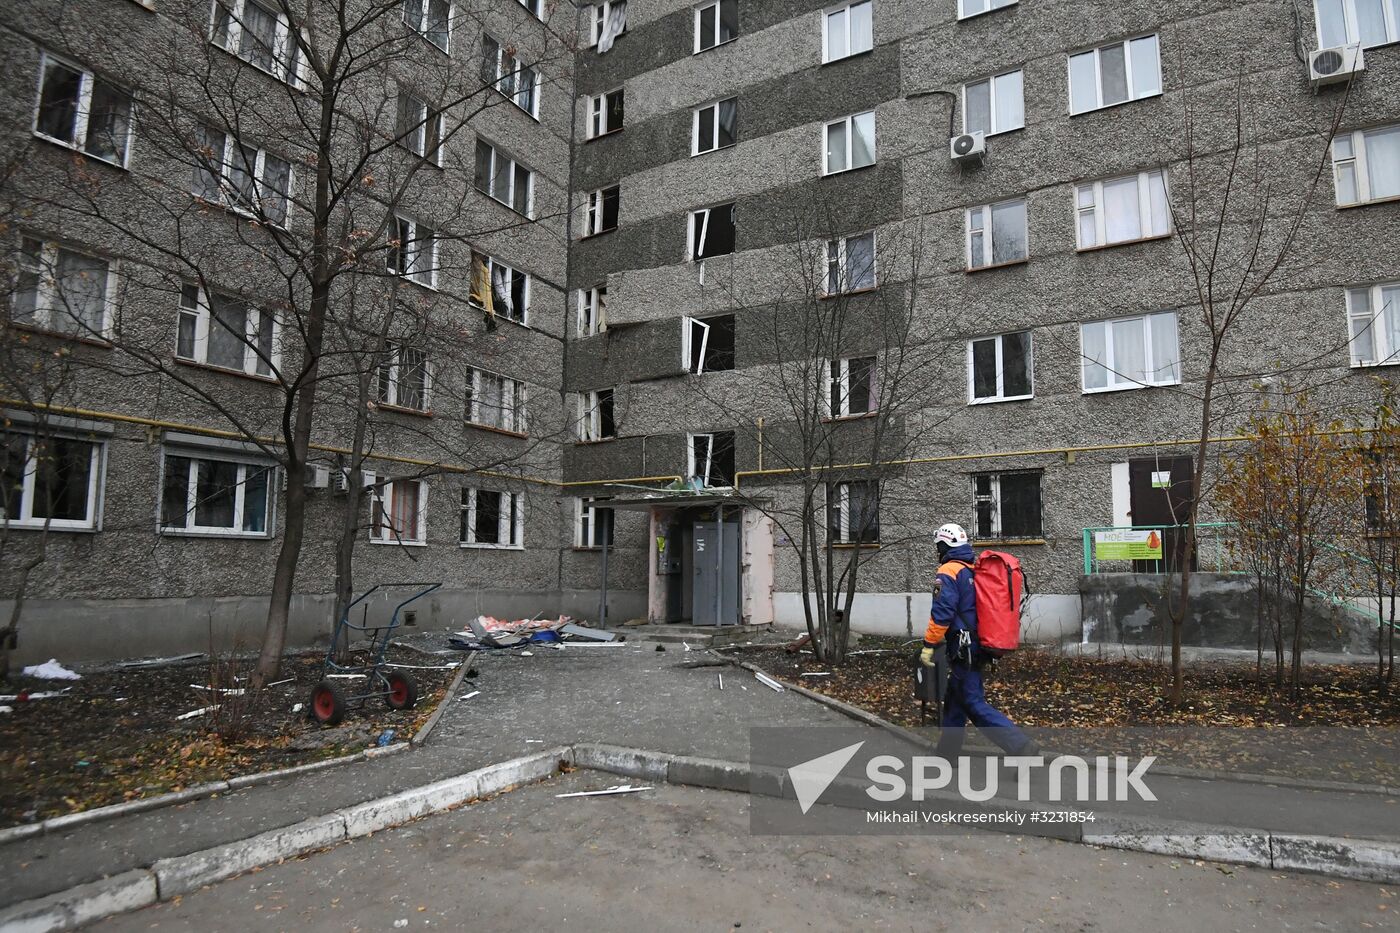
{"points": [[1129, 351], [1083, 83], [1331, 23], [862, 28], [1147, 70], [1383, 162], [82, 290], [1370, 22], [1095, 337], [1166, 357], [616, 24], [1390, 314], [863, 140], [1120, 207], [1160, 222], [836, 147], [1363, 335], [1010, 102], [977, 114]]}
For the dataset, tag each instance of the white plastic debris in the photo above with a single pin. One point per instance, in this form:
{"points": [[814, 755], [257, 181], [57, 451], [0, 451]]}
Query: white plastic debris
{"points": [[527, 654], [42, 695], [470, 695], [768, 682], [298, 707], [50, 670], [817, 674], [198, 712], [400, 923], [6, 709], [615, 789], [227, 691]]}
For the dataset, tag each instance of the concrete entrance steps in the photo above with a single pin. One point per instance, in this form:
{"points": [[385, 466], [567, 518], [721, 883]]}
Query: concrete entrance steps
{"points": [[697, 636]]}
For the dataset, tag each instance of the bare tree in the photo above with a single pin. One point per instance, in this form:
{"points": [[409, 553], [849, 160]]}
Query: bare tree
{"points": [[1382, 537]]}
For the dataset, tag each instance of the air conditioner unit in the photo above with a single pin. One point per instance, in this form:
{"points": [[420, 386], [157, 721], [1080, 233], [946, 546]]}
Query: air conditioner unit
{"points": [[339, 480], [317, 476], [1335, 66], [968, 147]]}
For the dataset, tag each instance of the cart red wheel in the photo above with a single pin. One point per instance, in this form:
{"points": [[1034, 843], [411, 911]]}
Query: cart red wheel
{"points": [[327, 703], [403, 691]]}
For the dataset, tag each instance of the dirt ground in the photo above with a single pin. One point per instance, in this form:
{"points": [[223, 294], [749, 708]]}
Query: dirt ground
{"points": [[115, 736]]}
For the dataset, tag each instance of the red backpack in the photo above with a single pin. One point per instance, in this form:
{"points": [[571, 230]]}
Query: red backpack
{"points": [[998, 582]]}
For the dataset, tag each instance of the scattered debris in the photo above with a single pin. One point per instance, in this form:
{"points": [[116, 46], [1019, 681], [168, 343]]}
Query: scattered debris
{"points": [[816, 674], [298, 707], [660, 647], [275, 683], [470, 695], [616, 789], [686, 644], [347, 676], [424, 667], [385, 738], [198, 712], [227, 691], [159, 662], [768, 681], [592, 634], [793, 647], [527, 654], [721, 680], [534, 741], [24, 696], [50, 670], [6, 709]]}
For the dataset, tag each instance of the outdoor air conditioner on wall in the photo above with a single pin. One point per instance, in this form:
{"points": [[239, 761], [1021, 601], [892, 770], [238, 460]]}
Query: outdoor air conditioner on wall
{"points": [[1335, 66], [968, 147]]}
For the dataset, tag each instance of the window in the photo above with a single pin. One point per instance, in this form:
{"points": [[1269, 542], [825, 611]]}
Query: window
{"points": [[595, 415], [1373, 316], [49, 482], [712, 232], [850, 143], [504, 179], [847, 30], [431, 19], [1366, 165], [492, 519], [996, 234], [533, 6], [994, 105], [609, 22], [404, 378], [245, 178], [418, 127], [260, 35], [516, 81], [63, 291], [499, 289], [1006, 505], [227, 332], [999, 368], [851, 387], [1357, 22], [1122, 210], [399, 512], [592, 310], [967, 8], [413, 252], [208, 494], [708, 345], [605, 113], [593, 523], [716, 126], [716, 24], [495, 401], [711, 458], [850, 263], [853, 512], [600, 214], [1131, 352], [80, 110], [1114, 74]]}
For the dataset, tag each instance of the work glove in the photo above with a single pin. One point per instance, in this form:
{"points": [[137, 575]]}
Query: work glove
{"points": [[926, 657]]}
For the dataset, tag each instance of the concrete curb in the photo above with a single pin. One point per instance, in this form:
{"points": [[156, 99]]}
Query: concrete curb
{"points": [[85, 903]]}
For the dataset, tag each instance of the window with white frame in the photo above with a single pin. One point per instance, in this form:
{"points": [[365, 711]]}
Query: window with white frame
{"points": [[1114, 74], [418, 126], [261, 35], [495, 401], [711, 458], [707, 345], [1000, 369], [61, 290], [500, 289], [492, 519], [1366, 165], [606, 112], [968, 8], [716, 24], [596, 421], [715, 126], [245, 178], [853, 512], [83, 111], [399, 511], [215, 494], [50, 481], [431, 19], [601, 211], [996, 234], [404, 378], [502, 178], [593, 523], [518, 82], [1007, 505], [1130, 352], [1373, 321], [592, 310], [609, 22], [850, 263], [1367, 23], [712, 232], [847, 30], [1121, 210], [413, 251], [994, 105], [226, 331], [850, 387], [850, 143]]}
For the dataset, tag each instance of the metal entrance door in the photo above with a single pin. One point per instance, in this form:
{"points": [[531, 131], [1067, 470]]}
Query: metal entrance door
{"points": [[1159, 491], [715, 573]]}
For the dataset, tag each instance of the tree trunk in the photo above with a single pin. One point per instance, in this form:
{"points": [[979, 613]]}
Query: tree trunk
{"points": [[10, 633]]}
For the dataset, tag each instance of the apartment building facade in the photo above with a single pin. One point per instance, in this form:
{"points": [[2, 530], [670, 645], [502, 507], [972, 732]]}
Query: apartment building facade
{"points": [[609, 240]]}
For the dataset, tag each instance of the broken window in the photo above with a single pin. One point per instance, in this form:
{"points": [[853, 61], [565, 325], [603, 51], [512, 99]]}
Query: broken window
{"points": [[52, 482], [214, 495], [432, 19], [593, 523], [418, 127], [707, 345], [609, 22], [502, 178], [413, 251], [398, 512], [592, 310], [491, 518], [605, 113], [711, 458], [712, 231], [851, 387], [1007, 505], [501, 66], [716, 24], [495, 401], [602, 212], [227, 332], [1000, 367], [853, 512], [500, 289], [596, 421], [404, 378], [850, 263], [716, 126]]}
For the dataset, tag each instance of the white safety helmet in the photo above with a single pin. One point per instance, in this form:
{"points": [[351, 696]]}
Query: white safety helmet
{"points": [[951, 534]]}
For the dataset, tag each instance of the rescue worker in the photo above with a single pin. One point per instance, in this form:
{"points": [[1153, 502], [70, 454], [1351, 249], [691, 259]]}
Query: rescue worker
{"points": [[953, 623]]}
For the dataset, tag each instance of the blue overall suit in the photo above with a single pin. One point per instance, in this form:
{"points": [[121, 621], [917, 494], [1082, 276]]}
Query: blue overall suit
{"points": [[953, 619]]}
